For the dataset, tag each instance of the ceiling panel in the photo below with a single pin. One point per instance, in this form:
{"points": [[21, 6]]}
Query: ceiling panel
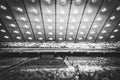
{"points": [[76, 12], [62, 18], [101, 18], [5, 36], [19, 11], [59, 20], [48, 13], [34, 13], [10, 23], [90, 12], [113, 20]]}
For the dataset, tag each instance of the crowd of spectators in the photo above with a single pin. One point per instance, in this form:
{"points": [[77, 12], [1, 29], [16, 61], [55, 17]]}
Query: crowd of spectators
{"points": [[62, 75], [80, 45], [80, 68], [93, 63]]}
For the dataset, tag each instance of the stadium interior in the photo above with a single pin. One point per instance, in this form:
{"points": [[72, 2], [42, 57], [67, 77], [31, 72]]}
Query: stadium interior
{"points": [[59, 39]]}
